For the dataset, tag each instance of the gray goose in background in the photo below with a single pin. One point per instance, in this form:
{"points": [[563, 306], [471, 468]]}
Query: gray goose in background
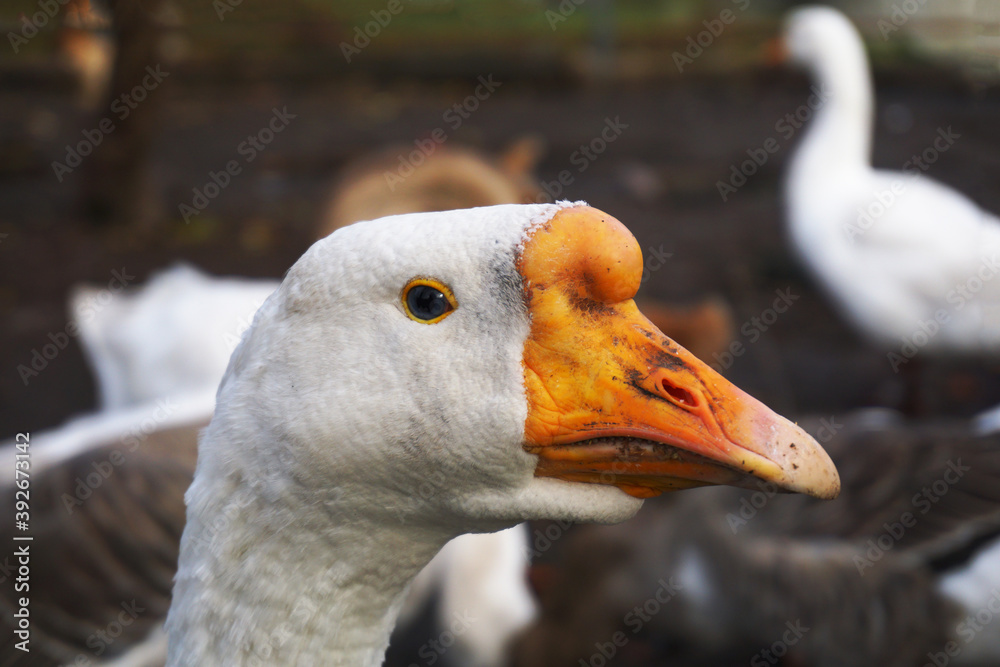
{"points": [[709, 578], [101, 575]]}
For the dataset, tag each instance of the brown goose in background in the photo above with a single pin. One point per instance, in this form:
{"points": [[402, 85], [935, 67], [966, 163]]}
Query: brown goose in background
{"points": [[451, 177], [720, 577], [460, 177]]}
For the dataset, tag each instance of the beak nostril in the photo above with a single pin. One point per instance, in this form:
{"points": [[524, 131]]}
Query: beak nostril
{"points": [[679, 394]]}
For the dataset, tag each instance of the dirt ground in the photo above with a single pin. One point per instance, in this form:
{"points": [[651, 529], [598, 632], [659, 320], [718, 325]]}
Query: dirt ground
{"points": [[677, 139]]}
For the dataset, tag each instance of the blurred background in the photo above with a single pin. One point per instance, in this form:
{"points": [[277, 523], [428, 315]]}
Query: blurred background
{"points": [[231, 134], [561, 72]]}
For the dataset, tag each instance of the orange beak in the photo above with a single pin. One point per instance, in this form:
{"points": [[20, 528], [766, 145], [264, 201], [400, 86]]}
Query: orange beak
{"points": [[611, 400]]}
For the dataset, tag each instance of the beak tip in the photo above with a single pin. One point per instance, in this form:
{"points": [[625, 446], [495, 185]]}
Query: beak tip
{"points": [[805, 465], [825, 486]]}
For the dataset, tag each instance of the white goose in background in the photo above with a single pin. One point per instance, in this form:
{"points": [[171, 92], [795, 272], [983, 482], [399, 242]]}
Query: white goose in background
{"points": [[905, 257], [171, 337], [425, 375]]}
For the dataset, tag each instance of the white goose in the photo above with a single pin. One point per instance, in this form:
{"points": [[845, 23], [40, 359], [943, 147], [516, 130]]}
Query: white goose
{"points": [[424, 375], [911, 262], [171, 337], [159, 352]]}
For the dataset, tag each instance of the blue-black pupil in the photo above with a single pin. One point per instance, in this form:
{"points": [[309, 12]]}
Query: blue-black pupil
{"points": [[427, 303]]}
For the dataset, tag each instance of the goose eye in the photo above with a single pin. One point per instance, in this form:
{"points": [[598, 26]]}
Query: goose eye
{"points": [[428, 301]]}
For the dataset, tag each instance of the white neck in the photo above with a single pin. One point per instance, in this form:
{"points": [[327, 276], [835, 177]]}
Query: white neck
{"points": [[840, 134], [294, 585]]}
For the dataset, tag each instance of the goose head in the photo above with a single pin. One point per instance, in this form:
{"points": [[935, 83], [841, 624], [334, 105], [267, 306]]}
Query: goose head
{"points": [[825, 42], [820, 37], [482, 367], [424, 375]]}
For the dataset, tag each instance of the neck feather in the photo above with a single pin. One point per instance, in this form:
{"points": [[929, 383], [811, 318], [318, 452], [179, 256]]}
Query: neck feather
{"points": [[840, 134], [286, 580]]}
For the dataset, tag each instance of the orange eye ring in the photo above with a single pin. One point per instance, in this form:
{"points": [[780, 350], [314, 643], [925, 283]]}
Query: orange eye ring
{"points": [[427, 301]]}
